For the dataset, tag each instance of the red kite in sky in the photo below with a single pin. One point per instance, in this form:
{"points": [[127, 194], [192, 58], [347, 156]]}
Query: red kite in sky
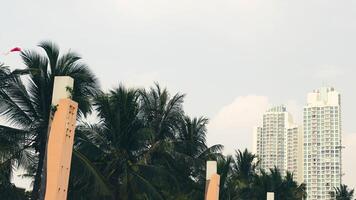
{"points": [[15, 49]]}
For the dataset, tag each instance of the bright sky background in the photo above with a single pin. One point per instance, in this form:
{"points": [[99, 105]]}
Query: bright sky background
{"points": [[233, 58]]}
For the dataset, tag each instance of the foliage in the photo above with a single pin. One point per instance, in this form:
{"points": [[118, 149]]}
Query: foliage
{"points": [[343, 193]]}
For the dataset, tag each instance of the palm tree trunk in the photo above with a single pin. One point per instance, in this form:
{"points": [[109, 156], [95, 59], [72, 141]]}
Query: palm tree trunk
{"points": [[37, 183]]}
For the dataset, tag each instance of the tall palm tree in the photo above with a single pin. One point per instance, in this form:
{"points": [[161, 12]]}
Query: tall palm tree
{"points": [[192, 151], [244, 182], [261, 185], [162, 114], [284, 188], [244, 171], [26, 100], [227, 188], [116, 146], [344, 193], [191, 138], [161, 111]]}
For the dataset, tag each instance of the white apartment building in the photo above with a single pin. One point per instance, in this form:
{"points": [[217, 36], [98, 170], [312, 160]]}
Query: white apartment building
{"points": [[294, 152], [322, 143], [277, 143]]}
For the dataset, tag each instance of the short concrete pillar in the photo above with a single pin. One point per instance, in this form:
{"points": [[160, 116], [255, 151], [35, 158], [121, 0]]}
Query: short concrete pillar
{"points": [[270, 195], [211, 169], [212, 181]]}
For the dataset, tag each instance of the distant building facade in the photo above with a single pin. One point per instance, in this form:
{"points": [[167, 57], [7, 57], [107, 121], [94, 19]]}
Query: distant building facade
{"points": [[278, 143], [322, 143]]}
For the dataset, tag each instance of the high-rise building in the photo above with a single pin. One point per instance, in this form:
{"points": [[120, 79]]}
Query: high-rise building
{"points": [[322, 143], [294, 151], [277, 143]]}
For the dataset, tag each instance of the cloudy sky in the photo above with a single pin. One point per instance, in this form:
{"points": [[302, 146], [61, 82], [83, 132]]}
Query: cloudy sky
{"points": [[233, 58]]}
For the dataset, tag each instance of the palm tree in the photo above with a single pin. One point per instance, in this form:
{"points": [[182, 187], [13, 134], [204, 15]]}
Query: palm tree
{"points": [[26, 102], [261, 185], [191, 139], [162, 114], [227, 187], [240, 180], [343, 193], [244, 171], [284, 188], [245, 165], [161, 111], [117, 145], [192, 152]]}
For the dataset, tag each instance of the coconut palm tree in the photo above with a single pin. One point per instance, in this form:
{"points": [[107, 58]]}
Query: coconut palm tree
{"points": [[161, 111], [245, 165], [117, 145], [227, 188], [240, 180], [344, 193], [243, 173], [26, 101], [191, 139], [162, 114], [191, 152], [284, 188]]}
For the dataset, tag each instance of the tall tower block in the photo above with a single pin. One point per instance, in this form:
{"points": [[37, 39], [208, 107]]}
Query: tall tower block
{"points": [[322, 143]]}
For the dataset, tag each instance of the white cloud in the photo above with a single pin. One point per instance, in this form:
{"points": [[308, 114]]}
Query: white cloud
{"points": [[243, 112], [233, 124]]}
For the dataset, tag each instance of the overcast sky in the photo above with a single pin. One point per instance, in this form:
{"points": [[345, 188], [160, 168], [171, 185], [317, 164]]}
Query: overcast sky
{"points": [[233, 58]]}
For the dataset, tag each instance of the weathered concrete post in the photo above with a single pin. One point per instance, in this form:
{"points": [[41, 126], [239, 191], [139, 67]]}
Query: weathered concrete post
{"points": [[62, 90], [59, 151], [270, 195], [212, 181]]}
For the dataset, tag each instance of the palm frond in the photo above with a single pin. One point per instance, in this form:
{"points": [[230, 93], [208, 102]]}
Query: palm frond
{"points": [[52, 52], [99, 184], [146, 186]]}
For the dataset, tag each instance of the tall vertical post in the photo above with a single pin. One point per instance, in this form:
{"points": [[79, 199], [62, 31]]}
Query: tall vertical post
{"points": [[212, 181], [59, 151], [62, 89]]}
